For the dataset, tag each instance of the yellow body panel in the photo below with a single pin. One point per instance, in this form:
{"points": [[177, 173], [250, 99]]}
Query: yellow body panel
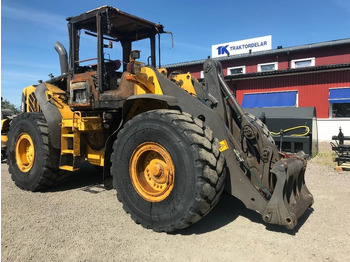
{"points": [[32, 104], [4, 139], [146, 82], [163, 71], [95, 157], [4, 129], [185, 81], [53, 93], [72, 125], [82, 124], [71, 141], [57, 95]]}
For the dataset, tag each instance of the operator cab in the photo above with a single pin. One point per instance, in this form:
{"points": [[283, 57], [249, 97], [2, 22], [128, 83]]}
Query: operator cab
{"points": [[97, 79]]}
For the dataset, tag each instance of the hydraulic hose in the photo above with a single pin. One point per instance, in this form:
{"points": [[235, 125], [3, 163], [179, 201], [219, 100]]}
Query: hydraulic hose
{"points": [[282, 132]]}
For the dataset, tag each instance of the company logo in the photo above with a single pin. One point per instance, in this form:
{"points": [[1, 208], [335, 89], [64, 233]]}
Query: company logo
{"points": [[242, 46], [249, 45], [223, 50]]}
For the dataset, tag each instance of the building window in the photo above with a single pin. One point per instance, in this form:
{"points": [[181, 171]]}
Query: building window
{"points": [[237, 70], [340, 110], [305, 62], [339, 102], [272, 99], [267, 67]]}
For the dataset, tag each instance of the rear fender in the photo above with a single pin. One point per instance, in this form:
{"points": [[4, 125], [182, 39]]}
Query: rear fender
{"points": [[50, 99], [51, 113]]}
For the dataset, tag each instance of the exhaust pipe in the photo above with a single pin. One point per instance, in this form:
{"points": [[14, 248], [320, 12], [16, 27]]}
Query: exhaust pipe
{"points": [[62, 53]]}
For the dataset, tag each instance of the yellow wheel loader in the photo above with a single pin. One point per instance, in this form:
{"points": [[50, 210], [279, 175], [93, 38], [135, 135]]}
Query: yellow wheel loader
{"points": [[169, 145], [6, 117]]}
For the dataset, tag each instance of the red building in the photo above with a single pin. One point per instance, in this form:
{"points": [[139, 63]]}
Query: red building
{"points": [[314, 75]]}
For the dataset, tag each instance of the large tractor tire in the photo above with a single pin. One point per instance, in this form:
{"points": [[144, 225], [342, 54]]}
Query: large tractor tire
{"points": [[167, 169], [33, 162]]}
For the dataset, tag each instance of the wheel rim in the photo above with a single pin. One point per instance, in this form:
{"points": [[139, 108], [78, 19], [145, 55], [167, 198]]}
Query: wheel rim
{"points": [[152, 172], [25, 152]]}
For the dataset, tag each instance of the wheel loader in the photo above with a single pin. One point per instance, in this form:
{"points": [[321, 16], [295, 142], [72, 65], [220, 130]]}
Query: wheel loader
{"points": [[169, 144]]}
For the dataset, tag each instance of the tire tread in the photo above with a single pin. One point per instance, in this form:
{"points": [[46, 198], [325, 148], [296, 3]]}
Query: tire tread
{"points": [[210, 184], [50, 175]]}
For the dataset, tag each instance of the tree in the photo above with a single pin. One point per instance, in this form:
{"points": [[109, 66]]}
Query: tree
{"points": [[5, 104]]}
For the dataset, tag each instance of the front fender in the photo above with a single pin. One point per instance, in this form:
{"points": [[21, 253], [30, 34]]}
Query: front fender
{"points": [[133, 106], [137, 104]]}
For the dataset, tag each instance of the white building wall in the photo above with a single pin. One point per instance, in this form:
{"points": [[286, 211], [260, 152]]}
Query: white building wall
{"points": [[330, 127]]}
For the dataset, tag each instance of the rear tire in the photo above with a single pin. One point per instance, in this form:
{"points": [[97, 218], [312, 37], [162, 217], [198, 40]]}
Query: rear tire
{"points": [[190, 180], [33, 162]]}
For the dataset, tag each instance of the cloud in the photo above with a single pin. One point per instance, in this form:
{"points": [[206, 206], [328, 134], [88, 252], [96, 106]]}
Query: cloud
{"points": [[23, 14]]}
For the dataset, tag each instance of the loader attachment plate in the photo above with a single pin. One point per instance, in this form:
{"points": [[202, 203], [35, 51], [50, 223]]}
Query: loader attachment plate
{"points": [[290, 198]]}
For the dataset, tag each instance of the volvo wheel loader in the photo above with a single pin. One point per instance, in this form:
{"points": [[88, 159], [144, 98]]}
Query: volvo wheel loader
{"points": [[169, 145]]}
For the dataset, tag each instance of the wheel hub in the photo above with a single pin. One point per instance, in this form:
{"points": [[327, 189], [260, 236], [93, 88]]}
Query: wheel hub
{"points": [[24, 151], [152, 172]]}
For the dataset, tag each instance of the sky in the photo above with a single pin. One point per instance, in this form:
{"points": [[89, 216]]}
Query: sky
{"points": [[29, 29]]}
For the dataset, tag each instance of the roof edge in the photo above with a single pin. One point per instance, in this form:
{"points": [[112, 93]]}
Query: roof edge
{"points": [[331, 43]]}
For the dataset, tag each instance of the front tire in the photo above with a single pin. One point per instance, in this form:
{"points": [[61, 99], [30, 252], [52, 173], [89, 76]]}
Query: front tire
{"points": [[33, 162], [167, 169]]}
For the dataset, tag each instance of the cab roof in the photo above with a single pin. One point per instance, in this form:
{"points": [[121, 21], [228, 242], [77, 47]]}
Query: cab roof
{"points": [[120, 25]]}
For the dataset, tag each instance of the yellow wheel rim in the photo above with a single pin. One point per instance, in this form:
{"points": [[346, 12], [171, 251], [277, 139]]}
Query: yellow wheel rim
{"points": [[152, 172], [24, 152]]}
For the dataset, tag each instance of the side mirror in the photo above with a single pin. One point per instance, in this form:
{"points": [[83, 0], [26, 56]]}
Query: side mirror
{"points": [[110, 45], [135, 54]]}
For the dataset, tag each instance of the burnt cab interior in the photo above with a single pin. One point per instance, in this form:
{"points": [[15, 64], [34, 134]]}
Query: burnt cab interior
{"points": [[101, 41]]}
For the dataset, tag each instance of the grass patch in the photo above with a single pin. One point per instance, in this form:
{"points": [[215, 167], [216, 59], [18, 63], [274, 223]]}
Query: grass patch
{"points": [[325, 158]]}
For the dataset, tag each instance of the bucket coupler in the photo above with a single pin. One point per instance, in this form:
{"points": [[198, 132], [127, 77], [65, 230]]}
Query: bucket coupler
{"points": [[283, 195], [290, 197]]}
